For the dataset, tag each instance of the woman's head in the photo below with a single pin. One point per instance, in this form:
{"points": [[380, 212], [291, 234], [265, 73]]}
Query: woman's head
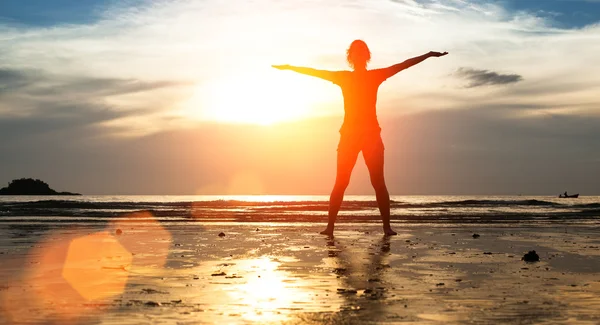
{"points": [[358, 55]]}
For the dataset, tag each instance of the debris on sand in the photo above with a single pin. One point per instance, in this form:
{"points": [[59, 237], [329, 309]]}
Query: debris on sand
{"points": [[440, 284], [222, 234], [152, 291], [476, 236], [152, 304], [119, 232], [347, 291], [339, 270], [218, 274], [487, 253], [382, 266], [531, 256]]}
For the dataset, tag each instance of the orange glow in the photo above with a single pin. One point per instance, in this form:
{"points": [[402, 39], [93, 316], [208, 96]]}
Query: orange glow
{"points": [[263, 98], [97, 266], [42, 293], [142, 235], [73, 276], [40, 285]]}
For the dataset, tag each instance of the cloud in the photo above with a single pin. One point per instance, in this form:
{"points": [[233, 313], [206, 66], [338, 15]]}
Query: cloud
{"points": [[478, 78], [9, 76], [69, 119], [40, 83], [211, 40], [34, 102], [10, 80]]}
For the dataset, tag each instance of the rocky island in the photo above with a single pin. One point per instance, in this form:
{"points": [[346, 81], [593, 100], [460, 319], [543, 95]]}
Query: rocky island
{"points": [[30, 186]]}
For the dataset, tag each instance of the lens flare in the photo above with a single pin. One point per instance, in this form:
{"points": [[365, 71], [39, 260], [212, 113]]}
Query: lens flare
{"points": [[96, 266]]}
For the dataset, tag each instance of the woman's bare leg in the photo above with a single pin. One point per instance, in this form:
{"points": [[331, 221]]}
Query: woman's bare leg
{"points": [[345, 163], [374, 161]]}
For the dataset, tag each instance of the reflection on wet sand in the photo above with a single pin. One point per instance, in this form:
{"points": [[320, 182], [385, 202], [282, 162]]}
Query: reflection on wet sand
{"points": [[287, 273], [71, 275], [361, 273]]}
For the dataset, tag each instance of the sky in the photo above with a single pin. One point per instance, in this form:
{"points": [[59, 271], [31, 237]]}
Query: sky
{"points": [[178, 96]]}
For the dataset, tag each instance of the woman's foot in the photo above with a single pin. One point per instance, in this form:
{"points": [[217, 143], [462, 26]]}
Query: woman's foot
{"points": [[328, 232], [389, 232]]}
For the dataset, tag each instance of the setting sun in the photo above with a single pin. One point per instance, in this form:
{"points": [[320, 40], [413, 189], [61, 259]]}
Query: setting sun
{"points": [[261, 98]]}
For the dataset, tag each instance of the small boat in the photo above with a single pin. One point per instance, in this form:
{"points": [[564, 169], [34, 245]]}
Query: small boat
{"points": [[574, 196]]}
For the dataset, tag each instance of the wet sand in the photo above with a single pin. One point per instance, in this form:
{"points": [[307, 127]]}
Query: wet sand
{"points": [[260, 273]]}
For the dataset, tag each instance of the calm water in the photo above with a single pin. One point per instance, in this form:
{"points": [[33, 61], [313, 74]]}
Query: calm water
{"points": [[297, 208]]}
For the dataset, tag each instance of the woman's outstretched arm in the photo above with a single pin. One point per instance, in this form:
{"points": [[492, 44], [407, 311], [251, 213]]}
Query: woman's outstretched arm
{"points": [[323, 74], [392, 70]]}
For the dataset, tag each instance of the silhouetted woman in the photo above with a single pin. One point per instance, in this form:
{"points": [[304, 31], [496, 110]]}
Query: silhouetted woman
{"points": [[360, 130]]}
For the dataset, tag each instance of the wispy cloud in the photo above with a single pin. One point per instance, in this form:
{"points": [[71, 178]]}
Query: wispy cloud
{"points": [[34, 102], [137, 43], [40, 83]]}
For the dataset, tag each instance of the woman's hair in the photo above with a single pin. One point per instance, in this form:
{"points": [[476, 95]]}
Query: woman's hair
{"points": [[358, 54]]}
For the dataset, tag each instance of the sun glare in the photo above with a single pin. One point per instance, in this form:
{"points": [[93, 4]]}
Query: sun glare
{"points": [[264, 99], [268, 293]]}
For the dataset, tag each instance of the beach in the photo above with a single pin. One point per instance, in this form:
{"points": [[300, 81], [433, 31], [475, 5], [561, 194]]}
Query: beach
{"points": [[144, 269]]}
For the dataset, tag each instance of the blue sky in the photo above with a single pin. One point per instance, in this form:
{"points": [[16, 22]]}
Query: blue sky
{"points": [[56, 12], [565, 13], [47, 13]]}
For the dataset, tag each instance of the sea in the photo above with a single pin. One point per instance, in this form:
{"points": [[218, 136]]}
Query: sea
{"points": [[294, 208]]}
